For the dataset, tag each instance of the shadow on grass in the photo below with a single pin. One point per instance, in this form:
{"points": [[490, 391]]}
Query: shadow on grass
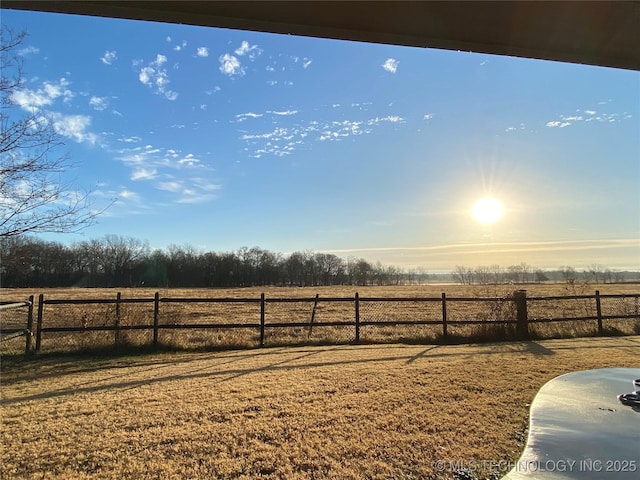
{"points": [[218, 367]]}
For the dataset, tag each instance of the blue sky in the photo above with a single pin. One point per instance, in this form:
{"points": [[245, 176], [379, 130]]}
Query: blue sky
{"points": [[219, 139]]}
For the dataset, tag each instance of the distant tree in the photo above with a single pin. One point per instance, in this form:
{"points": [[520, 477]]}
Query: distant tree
{"points": [[118, 257], [617, 276], [596, 271], [568, 273], [360, 271], [497, 274], [462, 275], [294, 269], [33, 198], [482, 275], [540, 276], [520, 273], [330, 268]]}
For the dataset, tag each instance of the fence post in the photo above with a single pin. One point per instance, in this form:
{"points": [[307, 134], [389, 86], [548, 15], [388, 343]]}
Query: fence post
{"points": [[156, 314], [117, 325], [39, 322], [357, 302], [262, 319], [522, 325], [313, 315], [599, 312], [444, 315], [27, 346]]}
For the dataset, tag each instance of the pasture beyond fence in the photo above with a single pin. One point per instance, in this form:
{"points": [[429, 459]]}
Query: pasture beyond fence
{"points": [[65, 325]]}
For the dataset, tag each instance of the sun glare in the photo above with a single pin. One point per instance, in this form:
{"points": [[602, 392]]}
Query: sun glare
{"points": [[487, 210]]}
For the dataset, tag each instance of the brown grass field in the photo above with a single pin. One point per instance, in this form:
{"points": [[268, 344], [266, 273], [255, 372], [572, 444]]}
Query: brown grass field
{"points": [[427, 290], [318, 412], [177, 314]]}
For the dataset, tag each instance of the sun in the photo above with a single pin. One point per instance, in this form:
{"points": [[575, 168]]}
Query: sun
{"points": [[487, 210]]}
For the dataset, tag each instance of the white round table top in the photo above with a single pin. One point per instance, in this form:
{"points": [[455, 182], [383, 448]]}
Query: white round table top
{"points": [[579, 430]]}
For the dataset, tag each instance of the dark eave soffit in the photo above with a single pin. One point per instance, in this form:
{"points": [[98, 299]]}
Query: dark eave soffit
{"points": [[603, 33]]}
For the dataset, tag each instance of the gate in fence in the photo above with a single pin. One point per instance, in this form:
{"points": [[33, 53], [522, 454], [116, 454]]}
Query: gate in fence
{"points": [[16, 327]]}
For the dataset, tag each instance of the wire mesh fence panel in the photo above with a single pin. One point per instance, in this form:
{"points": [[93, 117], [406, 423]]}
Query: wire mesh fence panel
{"points": [[541, 310], [194, 312], [235, 316], [308, 319], [628, 310], [380, 317], [488, 317], [563, 329], [136, 315], [209, 338], [78, 315], [96, 325], [554, 307], [13, 329], [628, 305], [76, 341], [13, 344]]}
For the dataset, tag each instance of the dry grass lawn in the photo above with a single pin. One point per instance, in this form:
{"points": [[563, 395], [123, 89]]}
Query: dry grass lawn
{"points": [[373, 411]]}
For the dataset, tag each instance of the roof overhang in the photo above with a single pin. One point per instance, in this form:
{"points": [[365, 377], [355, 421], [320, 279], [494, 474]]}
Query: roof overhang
{"points": [[603, 33]]}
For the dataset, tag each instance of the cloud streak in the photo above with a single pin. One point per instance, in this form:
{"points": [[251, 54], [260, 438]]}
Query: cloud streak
{"points": [[548, 254], [587, 116], [285, 139]]}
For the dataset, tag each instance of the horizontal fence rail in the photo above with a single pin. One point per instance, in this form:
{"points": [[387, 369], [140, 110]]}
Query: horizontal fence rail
{"points": [[191, 322]]}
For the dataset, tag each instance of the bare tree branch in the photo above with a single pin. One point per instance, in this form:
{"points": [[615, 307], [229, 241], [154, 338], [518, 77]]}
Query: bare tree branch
{"points": [[33, 197]]}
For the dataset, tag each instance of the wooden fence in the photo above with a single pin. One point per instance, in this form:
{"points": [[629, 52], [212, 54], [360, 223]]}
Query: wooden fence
{"points": [[159, 314]]}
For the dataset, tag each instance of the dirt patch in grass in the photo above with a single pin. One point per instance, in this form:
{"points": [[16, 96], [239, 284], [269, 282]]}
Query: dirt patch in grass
{"points": [[340, 412]]}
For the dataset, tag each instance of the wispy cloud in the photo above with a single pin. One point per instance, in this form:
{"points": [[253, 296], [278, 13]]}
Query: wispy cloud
{"points": [[190, 191], [109, 57], [202, 52], [283, 113], [230, 65], [245, 116], [545, 254], [129, 195], [513, 128], [246, 48], [99, 103], [47, 94], [74, 127], [28, 50], [144, 174], [284, 140], [189, 160], [154, 75], [587, 116], [133, 139], [391, 65], [170, 170], [180, 46], [557, 124]]}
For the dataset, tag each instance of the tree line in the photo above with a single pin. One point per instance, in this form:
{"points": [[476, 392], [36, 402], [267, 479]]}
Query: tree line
{"points": [[117, 261], [523, 273]]}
